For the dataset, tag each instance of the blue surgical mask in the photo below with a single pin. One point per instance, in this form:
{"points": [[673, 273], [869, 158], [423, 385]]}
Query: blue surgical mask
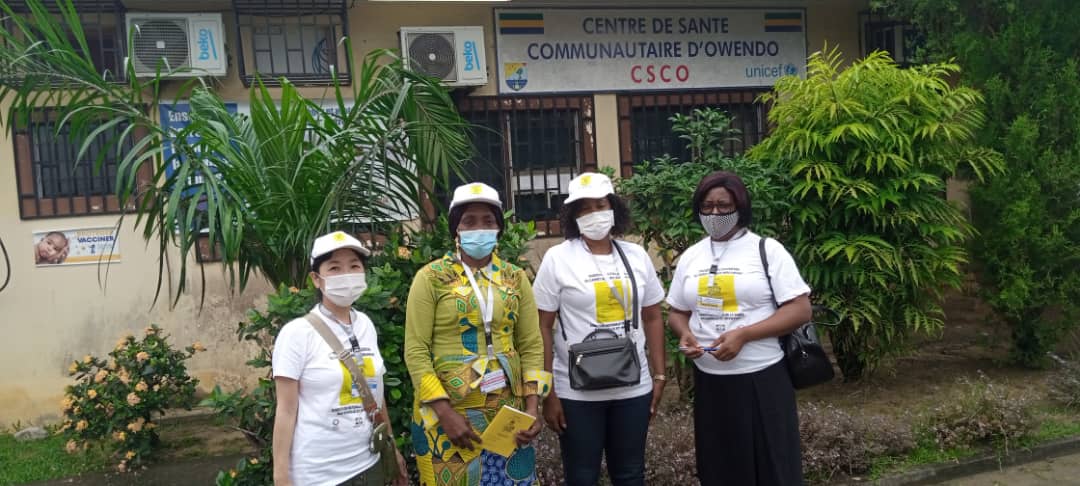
{"points": [[478, 243]]}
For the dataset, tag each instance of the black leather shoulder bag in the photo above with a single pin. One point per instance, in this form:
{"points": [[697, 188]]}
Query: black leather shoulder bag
{"points": [[807, 362], [603, 359]]}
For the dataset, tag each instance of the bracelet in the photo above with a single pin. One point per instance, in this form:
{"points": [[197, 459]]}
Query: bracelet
{"points": [[659, 377]]}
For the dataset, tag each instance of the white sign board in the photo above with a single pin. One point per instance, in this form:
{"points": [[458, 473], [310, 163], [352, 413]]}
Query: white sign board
{"points": [[567, 50], [75, 246]]}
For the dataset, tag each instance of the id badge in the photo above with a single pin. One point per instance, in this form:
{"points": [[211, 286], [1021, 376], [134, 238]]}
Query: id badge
{"points": [[493, 380], [710, 305], [355, 391]]}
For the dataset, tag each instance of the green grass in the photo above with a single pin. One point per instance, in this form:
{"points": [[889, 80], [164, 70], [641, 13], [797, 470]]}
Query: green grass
{"points": [[40, 460], [1053, 427], [925, 453], [1053, 424]]}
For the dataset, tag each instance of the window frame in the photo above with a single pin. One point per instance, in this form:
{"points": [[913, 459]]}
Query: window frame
{"points": [[90, 14], [751, 131], [32, 199], [261, 12], [517, 109], [871, 22]]}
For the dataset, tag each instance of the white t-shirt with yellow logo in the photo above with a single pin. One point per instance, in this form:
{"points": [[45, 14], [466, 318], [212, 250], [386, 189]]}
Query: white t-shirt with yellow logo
{"points": [[570, 283], [332, 435], [739, 296]]}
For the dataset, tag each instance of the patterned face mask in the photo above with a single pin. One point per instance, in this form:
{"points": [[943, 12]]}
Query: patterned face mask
{"points": [[719, 225]]}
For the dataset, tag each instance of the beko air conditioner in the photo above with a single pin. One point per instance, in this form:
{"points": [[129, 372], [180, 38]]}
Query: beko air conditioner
{"points": [[453, 54], [181, 45]]}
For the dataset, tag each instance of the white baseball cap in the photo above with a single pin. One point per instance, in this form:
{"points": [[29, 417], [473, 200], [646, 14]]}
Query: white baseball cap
{"points": [[335, 241], [589, 185], [475, 192]]}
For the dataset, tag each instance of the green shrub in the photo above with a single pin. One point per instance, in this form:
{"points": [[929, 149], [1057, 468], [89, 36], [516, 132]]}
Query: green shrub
{"points": [[980, 413], [1028, 65], [869, 148], [116, 401]]}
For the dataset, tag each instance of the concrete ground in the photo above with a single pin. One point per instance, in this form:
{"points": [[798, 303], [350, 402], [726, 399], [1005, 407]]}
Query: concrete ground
{"points": [[1063, 470]]}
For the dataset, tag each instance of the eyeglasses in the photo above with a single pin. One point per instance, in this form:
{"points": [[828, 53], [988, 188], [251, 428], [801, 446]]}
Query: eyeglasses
{"points": [[711, 208]]}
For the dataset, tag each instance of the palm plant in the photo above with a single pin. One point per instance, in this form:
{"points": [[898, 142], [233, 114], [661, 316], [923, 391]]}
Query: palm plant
{"points": [[268, 181]]}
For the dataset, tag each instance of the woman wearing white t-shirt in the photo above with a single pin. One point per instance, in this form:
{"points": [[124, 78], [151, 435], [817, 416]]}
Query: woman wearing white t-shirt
{"points": [[581, 281], [746, 426], [322, 431]]}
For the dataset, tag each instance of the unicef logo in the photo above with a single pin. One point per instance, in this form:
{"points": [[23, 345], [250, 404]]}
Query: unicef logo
{"points": [[791, 70]]}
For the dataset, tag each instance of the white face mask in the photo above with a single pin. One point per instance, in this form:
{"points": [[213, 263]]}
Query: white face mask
{"points": [[596, 225], [344, 289]]}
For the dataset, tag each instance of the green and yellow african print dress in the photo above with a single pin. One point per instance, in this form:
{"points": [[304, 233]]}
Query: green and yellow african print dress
{"points": [[445, 350]]}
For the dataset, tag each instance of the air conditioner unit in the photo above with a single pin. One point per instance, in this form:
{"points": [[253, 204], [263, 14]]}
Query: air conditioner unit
{"points": [[453, 54], [193, 44]]}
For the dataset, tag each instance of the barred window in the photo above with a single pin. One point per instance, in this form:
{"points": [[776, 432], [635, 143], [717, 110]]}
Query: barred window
{"points": [[645, 123], [881, 33], [102, 22], [292, 39], [53, 181], [528, 148]]}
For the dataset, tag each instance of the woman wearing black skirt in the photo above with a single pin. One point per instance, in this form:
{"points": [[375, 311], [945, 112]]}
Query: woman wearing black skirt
{"points": [[745, 422]]}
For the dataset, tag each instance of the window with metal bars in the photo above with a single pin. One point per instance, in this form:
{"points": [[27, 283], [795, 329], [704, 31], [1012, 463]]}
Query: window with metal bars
{"points": [[878, 32], [102, 22], [645, 123], [528, 148], [294, 39], [53, 181]]}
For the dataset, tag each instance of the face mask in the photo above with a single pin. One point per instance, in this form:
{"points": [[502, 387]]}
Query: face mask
{"points": [[596, 225], [719, 225], [344, 289], [478, 243]]}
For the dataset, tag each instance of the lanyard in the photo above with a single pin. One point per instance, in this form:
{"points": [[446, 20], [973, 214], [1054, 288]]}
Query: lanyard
{"points": [[487, 306], [611, 282], [350, 330], [716, 258]]}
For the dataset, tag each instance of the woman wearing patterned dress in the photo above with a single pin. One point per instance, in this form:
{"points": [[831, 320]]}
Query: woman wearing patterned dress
{"points": [[473, 345]]}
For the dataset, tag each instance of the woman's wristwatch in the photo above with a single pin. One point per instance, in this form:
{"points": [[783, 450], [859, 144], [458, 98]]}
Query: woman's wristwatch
{"points": [[659, 377]]}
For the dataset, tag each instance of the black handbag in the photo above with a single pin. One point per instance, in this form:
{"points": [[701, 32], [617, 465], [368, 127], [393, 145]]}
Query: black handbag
{"points": [[603, 359], [807, 362]]}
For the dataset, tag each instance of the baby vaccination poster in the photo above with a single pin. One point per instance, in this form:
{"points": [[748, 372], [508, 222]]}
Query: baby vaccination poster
{"points": [[75, 246]]}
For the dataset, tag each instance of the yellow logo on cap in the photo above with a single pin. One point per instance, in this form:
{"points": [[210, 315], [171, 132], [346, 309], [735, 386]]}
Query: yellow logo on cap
{"points": [[339, 236], [586, 180], [476, 189]]}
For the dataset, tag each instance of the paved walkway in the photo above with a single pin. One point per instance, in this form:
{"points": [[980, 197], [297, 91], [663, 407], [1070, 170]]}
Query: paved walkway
{"points": [[1063, 470]]}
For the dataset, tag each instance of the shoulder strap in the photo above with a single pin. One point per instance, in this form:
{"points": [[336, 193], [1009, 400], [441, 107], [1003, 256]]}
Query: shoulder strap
{"points": [[370, 405], [633, 286], [765, 265]]}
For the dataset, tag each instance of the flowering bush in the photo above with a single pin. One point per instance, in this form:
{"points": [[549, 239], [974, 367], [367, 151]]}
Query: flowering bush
{"points": [[115, 400]]}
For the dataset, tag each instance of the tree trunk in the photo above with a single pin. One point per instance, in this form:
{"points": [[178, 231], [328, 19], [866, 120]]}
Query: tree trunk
{"points": [[846, 346]]}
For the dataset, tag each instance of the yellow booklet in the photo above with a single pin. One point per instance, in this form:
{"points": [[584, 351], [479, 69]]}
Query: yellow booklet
{"points": [[499, 435]]}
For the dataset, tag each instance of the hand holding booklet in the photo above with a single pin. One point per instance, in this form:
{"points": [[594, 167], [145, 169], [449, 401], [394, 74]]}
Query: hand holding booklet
{"points": [[499, 437]]}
